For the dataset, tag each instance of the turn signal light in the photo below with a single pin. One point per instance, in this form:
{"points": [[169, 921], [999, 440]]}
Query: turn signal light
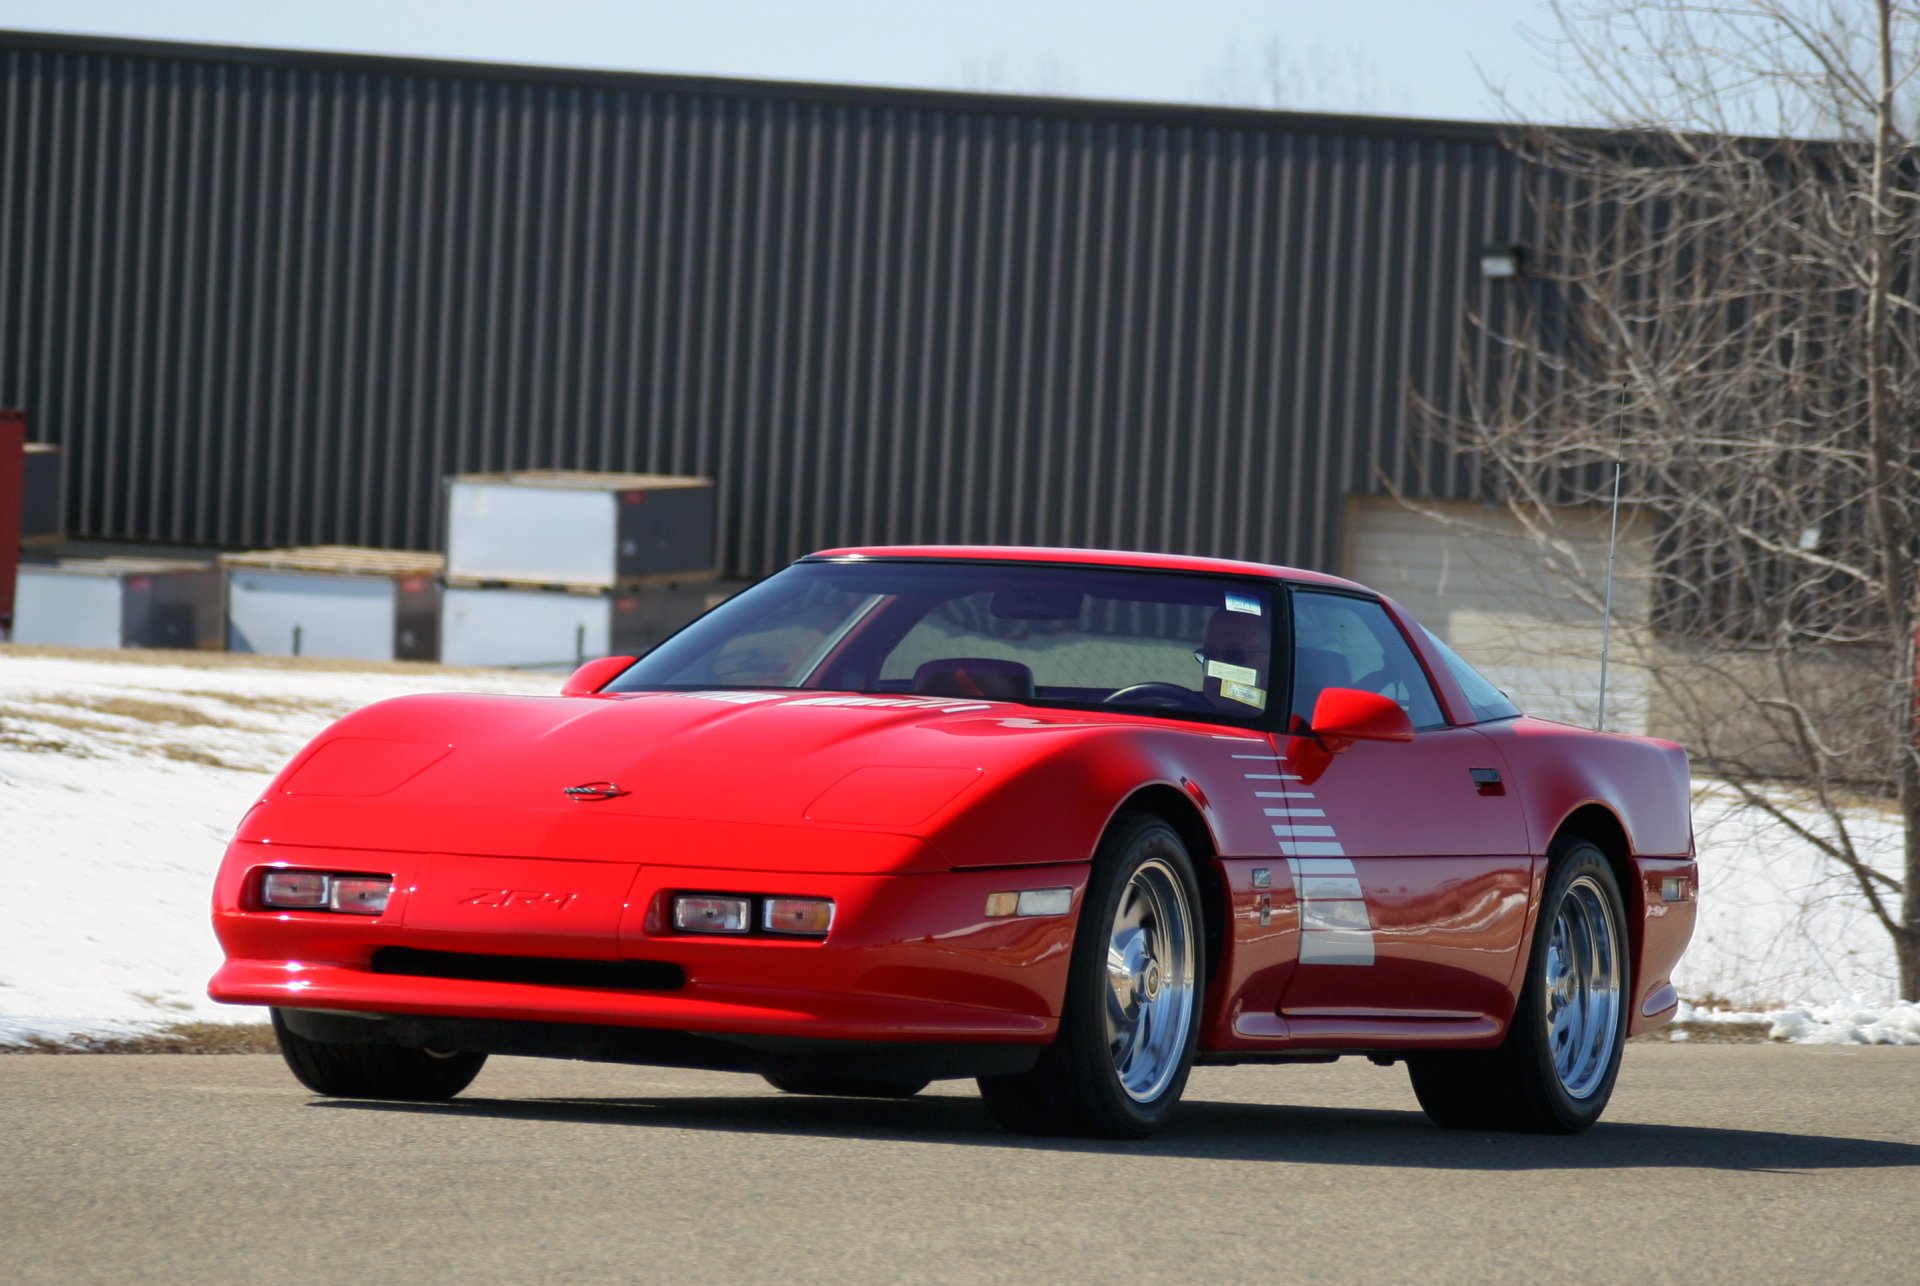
{"points": [[812, 916], [360, 894]]}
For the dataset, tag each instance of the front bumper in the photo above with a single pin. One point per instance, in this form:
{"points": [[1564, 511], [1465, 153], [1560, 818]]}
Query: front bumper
{"points": [[910, 958]]}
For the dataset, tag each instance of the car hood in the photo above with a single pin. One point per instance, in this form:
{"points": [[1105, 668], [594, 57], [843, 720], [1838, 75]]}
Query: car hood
{"points": [[576, 775]]}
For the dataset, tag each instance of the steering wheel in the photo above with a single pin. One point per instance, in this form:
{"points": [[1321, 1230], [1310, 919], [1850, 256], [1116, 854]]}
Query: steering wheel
{"points": [[1168, 695]]}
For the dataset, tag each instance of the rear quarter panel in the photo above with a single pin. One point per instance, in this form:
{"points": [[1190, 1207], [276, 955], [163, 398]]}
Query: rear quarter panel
{"points": [[1645, 784]]}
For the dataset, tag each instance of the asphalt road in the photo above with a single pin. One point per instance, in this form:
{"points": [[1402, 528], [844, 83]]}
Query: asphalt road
{"points": [[1733, 1162]]}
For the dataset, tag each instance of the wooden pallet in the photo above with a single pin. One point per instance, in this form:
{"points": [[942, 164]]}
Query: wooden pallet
{"points": [[661, 580], [585, 480], [339, 560]]}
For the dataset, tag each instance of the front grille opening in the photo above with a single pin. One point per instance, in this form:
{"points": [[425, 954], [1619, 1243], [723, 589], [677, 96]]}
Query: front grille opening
{"points": [[613, 975]]}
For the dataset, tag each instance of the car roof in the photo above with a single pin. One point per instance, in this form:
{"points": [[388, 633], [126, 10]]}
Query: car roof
{"points": [[1093, 558]]}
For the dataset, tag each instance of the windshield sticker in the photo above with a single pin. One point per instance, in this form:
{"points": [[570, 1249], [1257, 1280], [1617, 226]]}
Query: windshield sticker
{"points": [[1243, 603], [1245, 693], [1232, 673]]}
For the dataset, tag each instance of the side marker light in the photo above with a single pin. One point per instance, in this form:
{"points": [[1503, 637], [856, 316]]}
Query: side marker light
{"points": [[1030, 902]]}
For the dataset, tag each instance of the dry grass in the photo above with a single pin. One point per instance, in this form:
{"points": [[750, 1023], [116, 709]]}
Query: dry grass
{"points": [[181, 753], [140, 710], [15, 739], [109, 718], [179, 1038], [270, 704]]}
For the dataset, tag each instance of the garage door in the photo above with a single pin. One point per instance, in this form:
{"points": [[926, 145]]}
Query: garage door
{"points": [[1525, 613]]}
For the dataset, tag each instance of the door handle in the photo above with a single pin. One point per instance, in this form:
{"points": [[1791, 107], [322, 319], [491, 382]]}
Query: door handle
{"points": [[1487, 781]]}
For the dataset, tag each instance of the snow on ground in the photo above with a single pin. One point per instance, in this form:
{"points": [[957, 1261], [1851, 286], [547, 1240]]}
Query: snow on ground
{"points": [[1895, 1024], [120, 782], [1780, 924], [123, 774]]}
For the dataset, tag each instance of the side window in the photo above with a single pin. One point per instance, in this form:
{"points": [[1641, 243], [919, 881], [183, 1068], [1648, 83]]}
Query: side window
{"points": [[1486, 701], [1342, 642]]}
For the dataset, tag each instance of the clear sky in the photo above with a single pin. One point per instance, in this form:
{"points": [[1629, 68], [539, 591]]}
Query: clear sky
{"points": [[1403, 57]]}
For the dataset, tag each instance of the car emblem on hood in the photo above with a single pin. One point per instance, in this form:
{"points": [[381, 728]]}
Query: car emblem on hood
{"points": [[596, 790]]}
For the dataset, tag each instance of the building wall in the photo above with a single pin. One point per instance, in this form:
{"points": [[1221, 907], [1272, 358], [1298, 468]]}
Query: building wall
{"points": [[264, 299], [1527, 613]]}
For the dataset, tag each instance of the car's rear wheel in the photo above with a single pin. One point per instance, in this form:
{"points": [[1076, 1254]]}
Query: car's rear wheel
{"points": [[841, 1086], [1131, 1016], [1555, 1070], [345, 1069]]}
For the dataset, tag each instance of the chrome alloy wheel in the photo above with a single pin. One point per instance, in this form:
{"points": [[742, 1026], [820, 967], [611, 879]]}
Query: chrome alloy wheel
{"points": [[1150, 976], [1582, 987]]}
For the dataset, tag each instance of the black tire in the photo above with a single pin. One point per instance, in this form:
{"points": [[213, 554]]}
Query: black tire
{"points": [[1079, 1086], [833, 1086], [1526, 1084], [353, 1070]]}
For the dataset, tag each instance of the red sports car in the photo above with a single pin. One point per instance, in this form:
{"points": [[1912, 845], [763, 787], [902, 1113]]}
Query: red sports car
{"points": [[1062, 820]]}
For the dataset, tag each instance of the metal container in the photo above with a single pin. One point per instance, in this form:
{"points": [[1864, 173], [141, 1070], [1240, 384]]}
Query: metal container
{"points": [[534, 627], [42, 519], [575, 529], [334, 601], [119, 602], [13, 434]]}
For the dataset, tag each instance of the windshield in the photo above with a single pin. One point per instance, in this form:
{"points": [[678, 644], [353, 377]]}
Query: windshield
{"points": [[1159, 642]]}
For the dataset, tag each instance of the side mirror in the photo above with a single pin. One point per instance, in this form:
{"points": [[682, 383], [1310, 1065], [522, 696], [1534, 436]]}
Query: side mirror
{"points": [[594, 675], [1343, 716]]}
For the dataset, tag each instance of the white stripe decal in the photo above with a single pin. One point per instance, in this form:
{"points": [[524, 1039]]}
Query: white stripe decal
{"points": [[1336, 924], [1342, 867], [1335, 913], [1337, 888], [1336, 947]]}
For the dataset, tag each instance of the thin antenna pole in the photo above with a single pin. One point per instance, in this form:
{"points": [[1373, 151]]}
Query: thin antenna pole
{"points": [[1613, 545]]}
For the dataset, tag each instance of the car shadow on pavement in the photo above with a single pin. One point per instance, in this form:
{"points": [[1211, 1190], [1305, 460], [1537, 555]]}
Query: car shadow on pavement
{"points": [[1213, 1130]]}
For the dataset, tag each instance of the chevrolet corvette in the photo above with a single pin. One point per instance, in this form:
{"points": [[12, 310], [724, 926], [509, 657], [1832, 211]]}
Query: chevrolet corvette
{"points": [[1066, 822]]}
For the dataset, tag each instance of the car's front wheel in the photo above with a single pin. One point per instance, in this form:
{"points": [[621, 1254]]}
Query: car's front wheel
{"points": [[1131, 1017], [345, 1069], [1555, 1070]]}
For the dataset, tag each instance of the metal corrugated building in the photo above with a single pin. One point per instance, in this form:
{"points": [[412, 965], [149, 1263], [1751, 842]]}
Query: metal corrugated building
{"points": [[269, 299]]}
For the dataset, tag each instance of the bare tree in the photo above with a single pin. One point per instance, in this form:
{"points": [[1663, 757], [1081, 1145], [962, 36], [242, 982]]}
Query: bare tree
{"points": [[1278, 75], [1043, 77], [1722, 295]]}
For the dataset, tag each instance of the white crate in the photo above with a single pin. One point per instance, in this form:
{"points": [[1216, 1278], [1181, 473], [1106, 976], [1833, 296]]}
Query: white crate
{"points": [[334, 601], [118, 602], [560, 527], [529, 627]]}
